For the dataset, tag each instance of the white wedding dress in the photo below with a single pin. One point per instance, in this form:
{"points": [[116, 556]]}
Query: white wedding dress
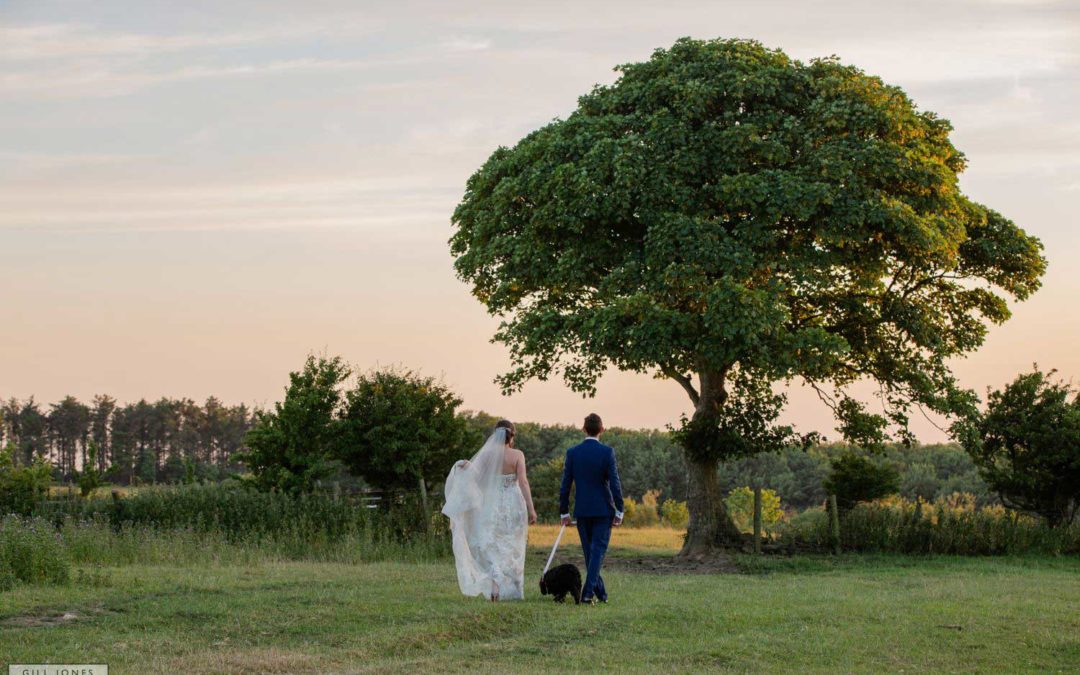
{"points": [[489, 524]]}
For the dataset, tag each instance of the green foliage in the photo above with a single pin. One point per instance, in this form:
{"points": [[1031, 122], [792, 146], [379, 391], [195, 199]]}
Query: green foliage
{"points": [[740, 504], [949, 526], [392, 428], [21, 487], [544, 481], [675, 514], [89, 479], [291, 447], [236, 514], [930, 471], [31, 553], [724, 209], [401, 427], [743, 426], [645, 513], [648, 459], [650, 513], [1027, 446], [860, 479]]}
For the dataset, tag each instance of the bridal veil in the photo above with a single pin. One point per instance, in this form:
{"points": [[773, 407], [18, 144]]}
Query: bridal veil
{"points": [[472, 493]]}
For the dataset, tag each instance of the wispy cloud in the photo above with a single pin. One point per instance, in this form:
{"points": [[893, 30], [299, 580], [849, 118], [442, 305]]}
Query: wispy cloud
{"points": [[90, 79], [51, 41], [466, 44], [55, 41]]}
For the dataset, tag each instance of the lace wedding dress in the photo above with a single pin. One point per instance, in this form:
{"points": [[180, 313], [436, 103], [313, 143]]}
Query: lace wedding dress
{"points": [[489, 524]]}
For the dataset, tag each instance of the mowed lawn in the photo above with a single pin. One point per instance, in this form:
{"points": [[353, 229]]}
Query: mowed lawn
{"points": [[858, 614]]}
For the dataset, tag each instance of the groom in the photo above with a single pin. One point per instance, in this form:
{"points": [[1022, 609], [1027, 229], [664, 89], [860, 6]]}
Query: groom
{"points": [[598, 502]]}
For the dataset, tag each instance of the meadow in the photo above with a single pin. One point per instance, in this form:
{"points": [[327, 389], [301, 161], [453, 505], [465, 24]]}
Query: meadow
{"points": [[218, 606]]}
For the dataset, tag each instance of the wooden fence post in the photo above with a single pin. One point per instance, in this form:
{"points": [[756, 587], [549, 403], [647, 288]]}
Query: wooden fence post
{"points": [[757, 520], [834, 524], [424, 503]]}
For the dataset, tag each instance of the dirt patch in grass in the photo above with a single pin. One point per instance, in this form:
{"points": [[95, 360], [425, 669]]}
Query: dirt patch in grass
{"points": [[52, 617]]}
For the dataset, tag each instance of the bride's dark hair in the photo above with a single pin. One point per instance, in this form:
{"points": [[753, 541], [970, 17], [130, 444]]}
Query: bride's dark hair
{"points": [[508, 425]]}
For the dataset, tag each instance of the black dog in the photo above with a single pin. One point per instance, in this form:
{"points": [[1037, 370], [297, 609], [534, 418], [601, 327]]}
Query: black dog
{"points": [[561, 580]]}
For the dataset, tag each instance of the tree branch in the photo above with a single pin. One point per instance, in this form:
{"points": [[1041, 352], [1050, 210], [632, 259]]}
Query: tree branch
{"points": [[684, 381]]}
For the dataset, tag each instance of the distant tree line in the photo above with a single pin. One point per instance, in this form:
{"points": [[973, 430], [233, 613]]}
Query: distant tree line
{"points": [[148, 442], [652, 460], [396, 429], [156, 442]]}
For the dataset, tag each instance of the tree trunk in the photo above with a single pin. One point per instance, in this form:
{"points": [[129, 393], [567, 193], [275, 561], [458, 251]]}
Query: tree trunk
{"points": [[711, 528]]}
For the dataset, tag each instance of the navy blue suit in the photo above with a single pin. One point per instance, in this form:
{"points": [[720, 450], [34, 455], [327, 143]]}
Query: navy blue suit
{"points": [[590, 466]]}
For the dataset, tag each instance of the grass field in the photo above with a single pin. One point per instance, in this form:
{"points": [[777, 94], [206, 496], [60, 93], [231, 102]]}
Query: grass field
{"points": [[855, 614]]}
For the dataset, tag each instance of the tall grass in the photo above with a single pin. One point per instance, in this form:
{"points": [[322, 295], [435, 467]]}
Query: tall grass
{"points": [[952, 525], [99, 543], [211, 524], [243, 514], [31, 552]]}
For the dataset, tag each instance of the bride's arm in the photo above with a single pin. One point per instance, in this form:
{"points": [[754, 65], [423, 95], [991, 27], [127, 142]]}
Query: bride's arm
{"points": [[523, 481]]}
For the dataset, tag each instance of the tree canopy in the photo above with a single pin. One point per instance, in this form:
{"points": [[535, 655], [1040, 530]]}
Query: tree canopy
{"points": [[1027, 446], [726, 212], [293, 446], [401, 427]]}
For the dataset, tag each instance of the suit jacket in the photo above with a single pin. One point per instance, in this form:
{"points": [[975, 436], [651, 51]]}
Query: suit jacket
{"points": [[590, 465]]}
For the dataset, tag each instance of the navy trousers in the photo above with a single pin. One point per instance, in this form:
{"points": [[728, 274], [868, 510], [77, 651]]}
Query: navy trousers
{"points": [[595, 533]]}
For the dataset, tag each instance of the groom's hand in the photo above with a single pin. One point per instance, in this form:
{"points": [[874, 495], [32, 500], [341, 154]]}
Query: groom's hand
{"points": [[616, 521], [565, 520]]}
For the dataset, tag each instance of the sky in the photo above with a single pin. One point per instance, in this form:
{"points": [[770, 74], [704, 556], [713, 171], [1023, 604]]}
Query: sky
{"points": [[195, 196]]}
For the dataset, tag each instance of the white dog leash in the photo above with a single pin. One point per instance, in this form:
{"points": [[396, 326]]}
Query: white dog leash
{"points": [[553, 549]]}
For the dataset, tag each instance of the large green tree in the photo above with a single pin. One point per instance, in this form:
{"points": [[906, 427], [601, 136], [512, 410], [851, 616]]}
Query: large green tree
{"points": [[1027, 446], [729, 218], [293, 446], [402, 429]]}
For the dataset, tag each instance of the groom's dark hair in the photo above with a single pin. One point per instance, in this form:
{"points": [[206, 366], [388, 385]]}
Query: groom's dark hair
{"points": [[593, 424]]}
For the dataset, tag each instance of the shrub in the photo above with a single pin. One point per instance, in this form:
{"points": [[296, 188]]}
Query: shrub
{"points": [[400, 428], [290, 447], [237, 513], [89, 479], [1027, 446], [21, 487], [675, 514], [545, 479], [740, 504], [644, 513], [32, 552], [949, 525], [856, 479]]}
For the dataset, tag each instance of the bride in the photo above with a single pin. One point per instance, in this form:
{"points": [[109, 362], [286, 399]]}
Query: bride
{"points": [[490, 507]]}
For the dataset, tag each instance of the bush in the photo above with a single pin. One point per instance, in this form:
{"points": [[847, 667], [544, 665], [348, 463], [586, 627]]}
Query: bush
{"points": [[21, 487], [238, 513], [856, 479], [544, 480], [644, 513], [89, 479], [291, 446], [1027, 446], [208, 523], [31, 552], [675, 514], [740, 505], [949, 525]]}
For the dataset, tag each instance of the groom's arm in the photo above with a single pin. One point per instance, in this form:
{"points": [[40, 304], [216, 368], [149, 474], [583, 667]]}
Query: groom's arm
{"points": [[564, 490], [616, 488]]}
